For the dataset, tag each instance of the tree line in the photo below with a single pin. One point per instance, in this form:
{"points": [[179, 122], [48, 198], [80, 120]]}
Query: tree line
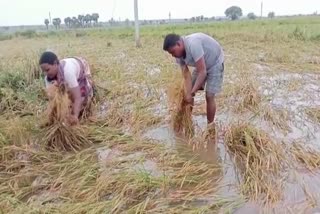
{"points": [[235, 13], [88, 20]]}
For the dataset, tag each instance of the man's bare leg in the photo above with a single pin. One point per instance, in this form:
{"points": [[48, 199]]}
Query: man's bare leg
{"points": [[211, 107], [211, 111]]}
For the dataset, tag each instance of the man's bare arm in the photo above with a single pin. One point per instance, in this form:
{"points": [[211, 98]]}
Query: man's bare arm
{"points": [[187, 79], [76, 100], [202, 74]]}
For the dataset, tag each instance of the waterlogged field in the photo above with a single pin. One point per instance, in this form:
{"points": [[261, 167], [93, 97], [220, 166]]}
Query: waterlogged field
{"points": [[264, 158]]}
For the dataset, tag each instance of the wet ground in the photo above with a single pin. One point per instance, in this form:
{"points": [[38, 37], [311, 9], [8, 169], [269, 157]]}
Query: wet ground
{"points": [[301, 188], [292, 93]]}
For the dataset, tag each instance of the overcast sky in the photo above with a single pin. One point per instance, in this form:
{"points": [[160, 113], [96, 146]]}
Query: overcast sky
{"points": [[30, 12]]}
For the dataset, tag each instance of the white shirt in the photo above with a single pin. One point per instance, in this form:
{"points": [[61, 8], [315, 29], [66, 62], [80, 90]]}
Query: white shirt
{"points": [[71, 72]]}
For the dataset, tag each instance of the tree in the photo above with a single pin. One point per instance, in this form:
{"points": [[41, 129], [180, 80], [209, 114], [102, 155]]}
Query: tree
{"points": [[252, 16], [233, 12], [112, 21], [56, 22], [127, 21], [46, 22], [271, 15], [67, 21], [87, 20], [95, 17], [81, 20], [75, 23]]}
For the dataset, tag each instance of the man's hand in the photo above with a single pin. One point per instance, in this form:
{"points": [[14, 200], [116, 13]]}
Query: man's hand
{"points": [[188, 98], [73, 120]]}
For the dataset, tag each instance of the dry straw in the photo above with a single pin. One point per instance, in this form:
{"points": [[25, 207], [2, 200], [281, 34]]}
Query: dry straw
{"points": [[258, 159], [58, 134], [181, 112]]}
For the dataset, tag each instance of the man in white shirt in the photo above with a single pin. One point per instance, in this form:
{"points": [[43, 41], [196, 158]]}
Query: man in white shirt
{"points": [[75, 73]]}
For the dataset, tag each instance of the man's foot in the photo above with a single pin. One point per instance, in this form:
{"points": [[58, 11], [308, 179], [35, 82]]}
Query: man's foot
{"points": [[211, 131]]}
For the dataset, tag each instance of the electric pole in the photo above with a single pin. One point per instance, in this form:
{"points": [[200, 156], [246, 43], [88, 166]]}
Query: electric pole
{"points": [[136, 20]]}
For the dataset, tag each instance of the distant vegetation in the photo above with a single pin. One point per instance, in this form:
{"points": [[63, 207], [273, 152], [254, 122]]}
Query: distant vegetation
{"points": [[271, 15], [233, 12], [81, 21]]}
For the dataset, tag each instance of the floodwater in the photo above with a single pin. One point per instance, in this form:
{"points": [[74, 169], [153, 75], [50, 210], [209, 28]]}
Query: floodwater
{"points": [[301, 193]]}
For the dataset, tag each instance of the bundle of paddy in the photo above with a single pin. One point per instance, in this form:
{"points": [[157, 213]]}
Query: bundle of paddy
{"points": [[58, 134], [259, 161], [306, 155], [181, 112], [244, 92], [278, 118], [251, 97]]}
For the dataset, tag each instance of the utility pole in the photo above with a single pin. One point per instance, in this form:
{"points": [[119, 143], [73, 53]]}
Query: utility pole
{"points": [[261, 9], [136, 20], [170, 17], [49, 17]]}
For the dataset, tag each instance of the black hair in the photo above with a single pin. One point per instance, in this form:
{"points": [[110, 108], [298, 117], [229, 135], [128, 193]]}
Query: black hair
{"points": [[170, 41], [48, 57]]}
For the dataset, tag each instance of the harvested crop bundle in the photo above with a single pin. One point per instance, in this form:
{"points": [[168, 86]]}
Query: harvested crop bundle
{"points": [[58, 134], [181, 112], [258, 159]]}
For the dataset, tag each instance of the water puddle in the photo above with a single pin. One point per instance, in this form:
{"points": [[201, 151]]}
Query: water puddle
{"points": [[300, 193], [107, 156], [163, 134], [295, 194], [149, 167]]}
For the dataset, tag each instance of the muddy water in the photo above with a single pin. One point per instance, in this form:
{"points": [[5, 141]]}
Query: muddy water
{"points": [[211, 151], [301, 191], [304, 95]]}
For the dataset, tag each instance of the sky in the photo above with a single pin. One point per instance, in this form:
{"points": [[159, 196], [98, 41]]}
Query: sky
{"points": [[33, 12]]}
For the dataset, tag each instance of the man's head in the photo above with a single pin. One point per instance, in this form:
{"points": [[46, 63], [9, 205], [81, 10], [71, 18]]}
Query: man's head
{"points": [[173, 43], [49, 64]]}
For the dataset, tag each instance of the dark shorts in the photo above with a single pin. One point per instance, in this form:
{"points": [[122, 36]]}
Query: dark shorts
{"points": [[214, 80]]}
